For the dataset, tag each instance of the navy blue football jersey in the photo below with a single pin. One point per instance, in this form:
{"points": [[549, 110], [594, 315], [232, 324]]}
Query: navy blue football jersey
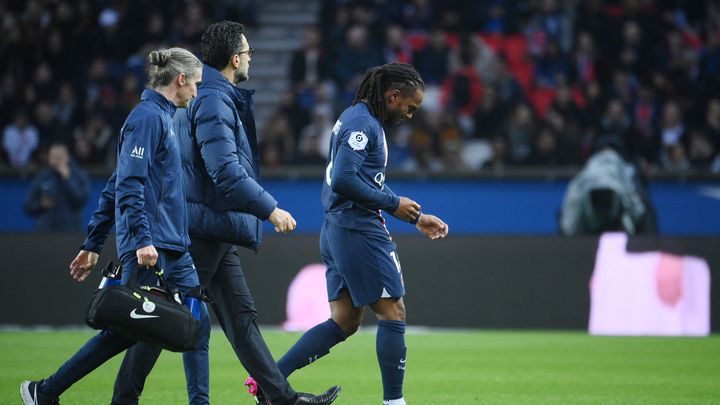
{"points": [[354, 190]]}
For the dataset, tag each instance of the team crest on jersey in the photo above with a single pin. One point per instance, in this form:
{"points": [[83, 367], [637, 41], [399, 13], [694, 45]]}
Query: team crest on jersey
{"points": [[358, 140]]}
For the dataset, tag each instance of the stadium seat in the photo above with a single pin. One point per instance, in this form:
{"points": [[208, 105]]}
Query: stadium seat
{"points": [[494, 41], [516, 49], [541, 99]]}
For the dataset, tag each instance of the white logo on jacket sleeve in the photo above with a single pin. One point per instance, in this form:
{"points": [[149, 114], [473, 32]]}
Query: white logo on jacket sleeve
{"points": [[137, 152], [358, 140]]}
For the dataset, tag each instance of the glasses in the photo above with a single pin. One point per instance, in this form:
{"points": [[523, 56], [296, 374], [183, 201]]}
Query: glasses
{"points": [[249, 52]]}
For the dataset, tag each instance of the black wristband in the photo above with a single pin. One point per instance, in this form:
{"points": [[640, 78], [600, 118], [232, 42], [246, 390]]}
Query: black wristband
{"points": [[416, 218]]}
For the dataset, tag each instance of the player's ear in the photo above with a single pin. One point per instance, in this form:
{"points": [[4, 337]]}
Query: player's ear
{"points": [[393, 96], [181, 79]]}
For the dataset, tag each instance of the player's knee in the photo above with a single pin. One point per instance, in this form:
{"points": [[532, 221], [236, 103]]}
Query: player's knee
{"points": [[349, 325], [388, 310], [397, 313]]}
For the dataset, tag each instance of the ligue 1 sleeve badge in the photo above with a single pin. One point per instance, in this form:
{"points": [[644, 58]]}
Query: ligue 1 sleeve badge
{"points": [[358, 140]]}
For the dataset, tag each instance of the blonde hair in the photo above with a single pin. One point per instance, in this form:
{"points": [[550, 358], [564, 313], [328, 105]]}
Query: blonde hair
{"points": [[166, 64]]}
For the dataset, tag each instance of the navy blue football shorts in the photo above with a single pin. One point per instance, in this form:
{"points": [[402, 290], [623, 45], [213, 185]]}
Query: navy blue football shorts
{"points": [[364, 263]]}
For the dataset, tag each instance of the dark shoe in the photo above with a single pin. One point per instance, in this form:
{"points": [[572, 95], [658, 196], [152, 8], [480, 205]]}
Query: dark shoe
{"points": [[30, 395], [325, 398]]}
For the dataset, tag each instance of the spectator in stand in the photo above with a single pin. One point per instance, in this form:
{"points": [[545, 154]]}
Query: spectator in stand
{"points": [[47, 125], [20, 140], [309, 65], [500, 156], [509, 92], [545, 149], [672, 138], [594, 104], [617, 122], [644, 115], [584, 58], [712, 122], [548, 25], [432, 60], [397, 48], [565, 105], [315, 138], [58, 193], [354, 59], [551, 64], [462, 90], [66, 109], [632, 55], [277, 143], [490, 115], [701, 151], [521, 130], [672, 128]]}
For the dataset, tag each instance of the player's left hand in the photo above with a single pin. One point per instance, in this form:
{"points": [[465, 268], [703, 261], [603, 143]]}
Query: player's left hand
{"points": [[432, 226], [84, 262]]}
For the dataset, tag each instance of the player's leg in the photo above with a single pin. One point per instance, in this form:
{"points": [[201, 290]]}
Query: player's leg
{"points": [[235, 309], [317, 341], [390, 310], [344, 321], [390, 347]]}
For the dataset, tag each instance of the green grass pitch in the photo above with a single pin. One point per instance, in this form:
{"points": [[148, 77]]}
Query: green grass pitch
{"points": [[484, 367]]}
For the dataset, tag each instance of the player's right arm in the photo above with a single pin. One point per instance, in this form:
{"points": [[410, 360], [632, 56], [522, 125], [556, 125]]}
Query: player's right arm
{"points": [[407, 210], [344, 178], [343, 170], [102, 221]]}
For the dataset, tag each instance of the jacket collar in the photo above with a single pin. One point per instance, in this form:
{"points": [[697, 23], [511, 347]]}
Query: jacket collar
{"points": [[155, 97], [212, 78]]}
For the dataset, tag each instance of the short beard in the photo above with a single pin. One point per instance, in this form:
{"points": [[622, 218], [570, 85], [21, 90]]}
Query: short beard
{"points": [[239, 76]]}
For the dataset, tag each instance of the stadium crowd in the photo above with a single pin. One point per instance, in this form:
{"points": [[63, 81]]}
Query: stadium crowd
{"points": [[508, 83]]}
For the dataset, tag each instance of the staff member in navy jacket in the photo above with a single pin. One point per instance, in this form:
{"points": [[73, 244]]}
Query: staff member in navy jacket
{"points": [[149, 210]]}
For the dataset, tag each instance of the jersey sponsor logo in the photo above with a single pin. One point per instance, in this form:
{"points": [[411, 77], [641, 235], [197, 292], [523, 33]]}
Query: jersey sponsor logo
{"points": [[137, 152], [135, 315], [358, 140], [380, 179]]}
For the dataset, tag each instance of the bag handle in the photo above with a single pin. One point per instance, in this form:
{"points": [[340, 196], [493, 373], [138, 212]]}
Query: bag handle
{"points": [[159, 272]]}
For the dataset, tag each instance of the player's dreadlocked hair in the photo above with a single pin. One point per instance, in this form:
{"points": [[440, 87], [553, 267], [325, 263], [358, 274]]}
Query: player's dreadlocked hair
{"points": [[380, 79]]}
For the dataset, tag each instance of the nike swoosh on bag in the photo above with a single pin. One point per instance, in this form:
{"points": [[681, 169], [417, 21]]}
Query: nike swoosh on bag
{"points": [[135, 315]]}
